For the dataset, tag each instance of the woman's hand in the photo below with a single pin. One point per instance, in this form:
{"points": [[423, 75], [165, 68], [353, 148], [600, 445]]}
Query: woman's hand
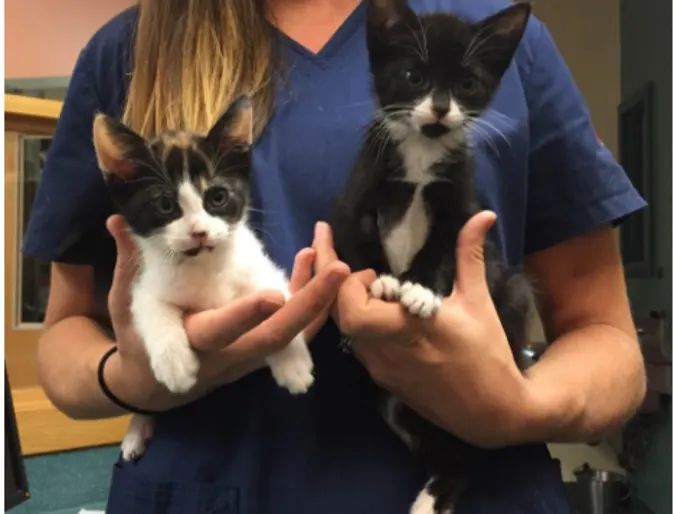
{"points": [[456, 368], [231, 341]]}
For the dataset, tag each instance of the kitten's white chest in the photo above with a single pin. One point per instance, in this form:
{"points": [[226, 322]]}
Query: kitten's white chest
{"points": [[194, 287], [404, 240]]}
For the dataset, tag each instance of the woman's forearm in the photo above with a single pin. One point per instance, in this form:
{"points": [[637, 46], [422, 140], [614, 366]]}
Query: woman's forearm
{"points": [[68, 356], [587, 384]]}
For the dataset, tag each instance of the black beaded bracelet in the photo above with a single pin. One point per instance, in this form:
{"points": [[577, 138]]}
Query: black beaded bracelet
{"points": [[110, 396]]}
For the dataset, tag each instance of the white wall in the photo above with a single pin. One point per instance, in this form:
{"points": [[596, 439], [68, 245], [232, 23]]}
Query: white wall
{"points": [[587, 33], [588, 36]]}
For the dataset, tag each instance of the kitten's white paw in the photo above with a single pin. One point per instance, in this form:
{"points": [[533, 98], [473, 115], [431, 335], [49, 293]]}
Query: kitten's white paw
{"points": [[419, 300], [293, 367], [385, 287], [175, 365]]}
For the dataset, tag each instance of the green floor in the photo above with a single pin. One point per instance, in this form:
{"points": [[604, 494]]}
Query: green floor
{"points": [[64, 483]]}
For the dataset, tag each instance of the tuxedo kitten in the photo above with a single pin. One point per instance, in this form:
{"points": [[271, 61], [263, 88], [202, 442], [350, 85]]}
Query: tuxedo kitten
{"points": [[412, 190], [185, 198]]}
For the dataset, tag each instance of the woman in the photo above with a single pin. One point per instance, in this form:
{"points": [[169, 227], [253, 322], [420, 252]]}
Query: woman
{"points": [[240, 444]]}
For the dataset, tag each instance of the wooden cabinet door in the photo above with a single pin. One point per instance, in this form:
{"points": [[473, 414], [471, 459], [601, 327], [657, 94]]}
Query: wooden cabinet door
{"points": [[29, 126]]}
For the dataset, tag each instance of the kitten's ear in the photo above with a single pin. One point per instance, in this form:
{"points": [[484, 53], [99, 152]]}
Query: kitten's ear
{"points": [[234, 127], [385, 14], [117, 147], [501, 34]]}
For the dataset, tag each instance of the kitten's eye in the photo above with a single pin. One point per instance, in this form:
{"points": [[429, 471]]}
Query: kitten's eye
{"points": [[414, 77], [217, 197], [166, 205], [468, 84]]}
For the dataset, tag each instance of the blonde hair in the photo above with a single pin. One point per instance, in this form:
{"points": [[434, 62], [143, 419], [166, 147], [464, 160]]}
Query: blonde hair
{"points": [[192, 58]]}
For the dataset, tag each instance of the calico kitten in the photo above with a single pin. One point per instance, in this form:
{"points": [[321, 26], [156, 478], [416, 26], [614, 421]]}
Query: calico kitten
{"points": [[412, 190], [185, 198]]}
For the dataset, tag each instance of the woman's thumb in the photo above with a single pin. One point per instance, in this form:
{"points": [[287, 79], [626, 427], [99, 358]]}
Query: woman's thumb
{"points": [[470, 269], [125, 266]]}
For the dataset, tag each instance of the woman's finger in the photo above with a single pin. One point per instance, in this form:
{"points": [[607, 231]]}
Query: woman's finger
{"points": [[302, 269], [126, 266], [470, 270], [294, 317], [215, 328], [359, 313], [302, 272], [324, 246]]}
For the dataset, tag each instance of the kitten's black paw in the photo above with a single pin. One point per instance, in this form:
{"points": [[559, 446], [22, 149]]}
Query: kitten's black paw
{"points": [[419, 300]]}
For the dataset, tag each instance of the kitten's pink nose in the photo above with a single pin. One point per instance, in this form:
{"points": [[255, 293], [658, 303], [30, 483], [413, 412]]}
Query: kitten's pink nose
{"points": [[199, 235]]}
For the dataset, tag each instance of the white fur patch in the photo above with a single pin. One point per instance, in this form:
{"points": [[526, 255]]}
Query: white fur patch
{"points": [[425, 503], [385, 287], [404, 241], [422, 114], [419, 300]]}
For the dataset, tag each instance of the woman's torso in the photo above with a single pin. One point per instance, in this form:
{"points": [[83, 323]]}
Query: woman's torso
{"points": [[251, 447]]}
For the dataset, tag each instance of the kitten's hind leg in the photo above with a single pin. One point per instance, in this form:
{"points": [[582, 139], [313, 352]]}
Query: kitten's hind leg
{"points": [[419, 300], [438, 496], [136, 437], [386, 287]]}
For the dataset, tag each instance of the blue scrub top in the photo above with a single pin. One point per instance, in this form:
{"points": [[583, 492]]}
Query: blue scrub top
{"points": [[250, 448]]}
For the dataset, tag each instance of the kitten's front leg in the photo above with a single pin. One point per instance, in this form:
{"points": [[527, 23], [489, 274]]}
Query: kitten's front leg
{"points": [[292, 367], [160, 326]]}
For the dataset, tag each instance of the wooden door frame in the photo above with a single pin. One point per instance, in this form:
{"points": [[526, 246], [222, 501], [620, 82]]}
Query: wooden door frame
{"points": [[42, 428]]}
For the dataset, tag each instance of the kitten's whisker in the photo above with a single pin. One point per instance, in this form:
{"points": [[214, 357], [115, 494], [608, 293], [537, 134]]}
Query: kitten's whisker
{"points": [[415, 49], [504, 117], [469, 51], [484, 115], [261, 211], [152, 166], [486, 137], [356, 104], [134, 260], [382, 137], [395, 106], [423, 55], [487, 125], [482, 49], [424, 36], [262, 230], [377, 136]]}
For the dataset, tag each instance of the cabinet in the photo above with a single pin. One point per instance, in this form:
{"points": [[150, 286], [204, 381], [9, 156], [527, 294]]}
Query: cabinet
{"points": [[29, 126]]}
